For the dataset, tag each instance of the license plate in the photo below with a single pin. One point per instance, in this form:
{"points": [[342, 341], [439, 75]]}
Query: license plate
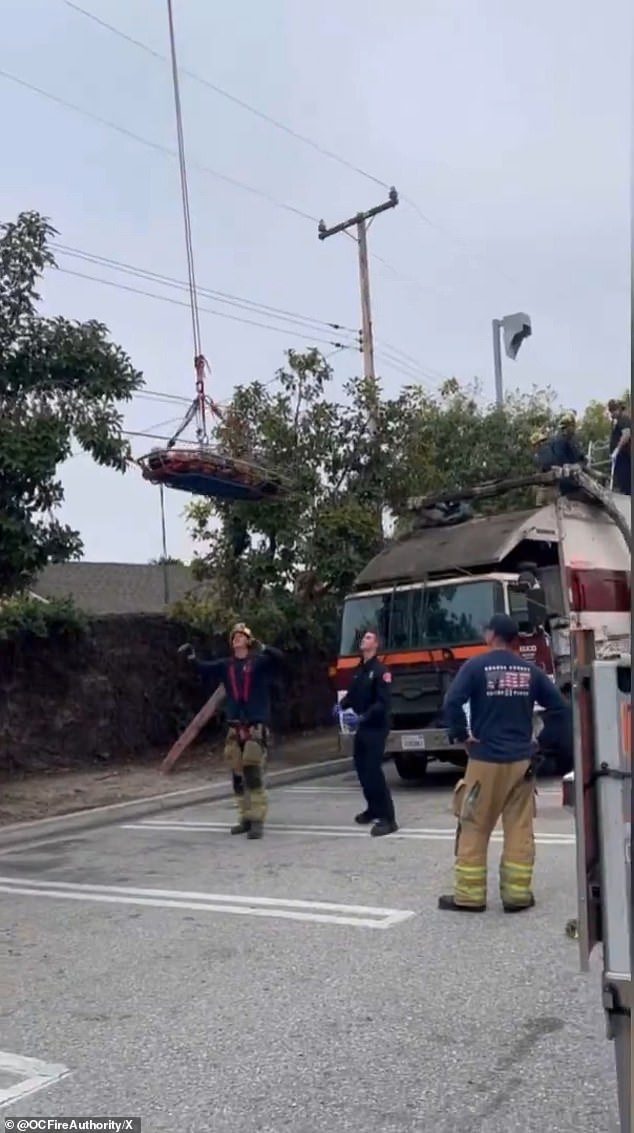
{"points": [[412, 743]]}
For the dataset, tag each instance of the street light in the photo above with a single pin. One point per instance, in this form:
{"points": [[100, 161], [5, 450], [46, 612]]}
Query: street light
{"points": [[515, 328]]}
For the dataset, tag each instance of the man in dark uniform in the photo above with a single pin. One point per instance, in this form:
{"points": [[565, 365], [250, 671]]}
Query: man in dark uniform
{"points": [[366, 708], [621, 447], [248, 676], [561, 449]]}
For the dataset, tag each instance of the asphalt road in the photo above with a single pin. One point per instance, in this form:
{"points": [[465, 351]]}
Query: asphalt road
{"points": [[202, 988]]}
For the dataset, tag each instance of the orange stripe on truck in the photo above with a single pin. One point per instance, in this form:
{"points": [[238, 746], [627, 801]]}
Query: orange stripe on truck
{"points": [[414, 657]]}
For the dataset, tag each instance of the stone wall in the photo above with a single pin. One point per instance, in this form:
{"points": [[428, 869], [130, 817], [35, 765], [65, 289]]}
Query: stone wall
{"points": [[120, 691]]}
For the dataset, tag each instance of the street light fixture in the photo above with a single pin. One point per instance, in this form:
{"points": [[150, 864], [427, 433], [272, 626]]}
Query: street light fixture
{"points": [[514, 329]]}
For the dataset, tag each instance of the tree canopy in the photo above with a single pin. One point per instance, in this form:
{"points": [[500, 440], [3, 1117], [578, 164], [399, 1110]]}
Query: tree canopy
{"points": [[60, 382], [267, 561]]}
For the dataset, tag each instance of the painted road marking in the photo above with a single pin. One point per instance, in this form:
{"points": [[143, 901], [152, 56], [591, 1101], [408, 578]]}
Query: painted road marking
{"points": [[321, 912], [28, 1074], [412, 834]]}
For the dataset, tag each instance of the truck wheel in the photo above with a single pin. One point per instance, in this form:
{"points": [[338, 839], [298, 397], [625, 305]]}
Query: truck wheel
{"points": [[411, 767]]}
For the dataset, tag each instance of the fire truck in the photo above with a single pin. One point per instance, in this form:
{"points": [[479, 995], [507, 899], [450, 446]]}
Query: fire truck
{"points": [[554, 568]]}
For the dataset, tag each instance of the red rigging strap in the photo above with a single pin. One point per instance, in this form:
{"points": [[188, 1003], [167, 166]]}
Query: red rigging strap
{"points": [[240, 695]]}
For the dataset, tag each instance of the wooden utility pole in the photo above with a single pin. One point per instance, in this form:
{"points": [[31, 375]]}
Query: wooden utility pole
{"points": [[360, 222]]}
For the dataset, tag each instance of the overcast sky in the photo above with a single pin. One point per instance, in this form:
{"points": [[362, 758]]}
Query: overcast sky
{"points": [[506, 128]]}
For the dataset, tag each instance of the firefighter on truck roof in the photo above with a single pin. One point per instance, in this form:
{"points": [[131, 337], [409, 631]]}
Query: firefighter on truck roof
{"points": [[501, 689], [247, 676]]}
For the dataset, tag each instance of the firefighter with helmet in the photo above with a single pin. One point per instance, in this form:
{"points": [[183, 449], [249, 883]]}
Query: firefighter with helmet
{"points": [[501, 689], [556, 451], [248, 676]]}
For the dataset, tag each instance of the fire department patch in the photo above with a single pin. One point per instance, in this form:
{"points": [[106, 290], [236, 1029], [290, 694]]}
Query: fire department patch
{"points": [[387, 677]]}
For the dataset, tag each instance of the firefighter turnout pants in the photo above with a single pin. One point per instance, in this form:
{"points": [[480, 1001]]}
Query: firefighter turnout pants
{"points": [[246, 752], [490, 791], [367, 754]]}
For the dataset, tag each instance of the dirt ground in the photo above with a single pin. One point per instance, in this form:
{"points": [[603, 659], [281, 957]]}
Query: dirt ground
{"points": [[61, 792]]}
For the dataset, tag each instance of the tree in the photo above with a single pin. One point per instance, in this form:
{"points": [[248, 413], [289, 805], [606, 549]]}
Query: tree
{"points": [[268, 560], [328, 523], [60, 381]]}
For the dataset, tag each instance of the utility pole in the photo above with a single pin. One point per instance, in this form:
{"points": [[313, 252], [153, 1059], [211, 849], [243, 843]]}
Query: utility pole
{"points": [[360, 222], [497, 363]]}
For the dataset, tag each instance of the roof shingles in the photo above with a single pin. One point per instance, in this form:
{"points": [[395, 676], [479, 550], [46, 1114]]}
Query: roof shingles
{"points": [[115, 588]]}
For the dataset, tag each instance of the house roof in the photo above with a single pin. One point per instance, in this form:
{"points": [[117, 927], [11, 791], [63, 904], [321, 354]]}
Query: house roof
{"points": [[476, 543], [116, 588]]}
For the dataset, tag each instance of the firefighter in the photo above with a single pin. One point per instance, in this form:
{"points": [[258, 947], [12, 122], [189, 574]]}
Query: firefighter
{"points": [[621, 447], [501, 689], [366, 709], [542, 458], [562, 448], [247, 675]]}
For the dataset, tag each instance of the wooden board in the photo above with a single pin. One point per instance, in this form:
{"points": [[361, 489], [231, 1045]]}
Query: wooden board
{"points": [[193, 729]]}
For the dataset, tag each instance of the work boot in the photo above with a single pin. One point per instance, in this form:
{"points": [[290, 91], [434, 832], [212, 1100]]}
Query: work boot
{"points": [[363, 819], [519, 908], [256, 829], [383, 826], [448, 902], [242, 827]]}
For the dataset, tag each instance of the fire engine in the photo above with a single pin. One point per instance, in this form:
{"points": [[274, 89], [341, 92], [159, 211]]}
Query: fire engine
{"points": [[553, 568]]}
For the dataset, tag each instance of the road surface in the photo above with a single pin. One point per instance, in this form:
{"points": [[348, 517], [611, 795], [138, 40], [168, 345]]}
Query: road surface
{"points": [[304, 983]]}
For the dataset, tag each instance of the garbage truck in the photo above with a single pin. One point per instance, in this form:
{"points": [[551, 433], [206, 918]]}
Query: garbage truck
{"points": [[559, 566]]}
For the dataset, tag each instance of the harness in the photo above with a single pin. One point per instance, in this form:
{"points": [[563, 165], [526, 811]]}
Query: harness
{"points": [[241, 693]]}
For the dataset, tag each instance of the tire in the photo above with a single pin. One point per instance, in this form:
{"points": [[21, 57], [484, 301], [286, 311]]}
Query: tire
{"points": [[411, 768]]}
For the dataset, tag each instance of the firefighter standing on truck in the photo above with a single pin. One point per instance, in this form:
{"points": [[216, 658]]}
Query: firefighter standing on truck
{"points": [[502, 689], [366, 709], [247, 676]]}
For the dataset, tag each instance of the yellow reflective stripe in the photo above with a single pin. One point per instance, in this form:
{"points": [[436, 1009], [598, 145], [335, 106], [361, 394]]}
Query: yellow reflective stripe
{"points": [[470, 884], [516, 867]]}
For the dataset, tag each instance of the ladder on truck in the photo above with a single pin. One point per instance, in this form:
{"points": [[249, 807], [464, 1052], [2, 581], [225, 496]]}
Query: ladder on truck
{"points": [[602, 802]]}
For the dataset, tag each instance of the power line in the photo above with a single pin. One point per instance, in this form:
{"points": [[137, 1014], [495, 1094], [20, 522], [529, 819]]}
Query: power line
{"points": [[158, 146], [413, 365], [220, 296], [291, 132], [232, 97], [206, 310]]}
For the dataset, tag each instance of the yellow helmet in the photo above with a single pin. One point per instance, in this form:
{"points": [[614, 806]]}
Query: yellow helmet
{"points": [[240, 627], [539, 437], [567, 419]]}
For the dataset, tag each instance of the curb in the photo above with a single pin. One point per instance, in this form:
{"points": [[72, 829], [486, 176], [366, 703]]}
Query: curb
{"points": [[79, 820]]}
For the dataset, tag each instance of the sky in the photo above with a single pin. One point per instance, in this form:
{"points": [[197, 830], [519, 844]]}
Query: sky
{"points": [[506, 129]]}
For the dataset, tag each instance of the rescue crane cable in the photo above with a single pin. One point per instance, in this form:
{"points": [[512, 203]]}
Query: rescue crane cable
{"points": [[201, 472], [199, 362]]}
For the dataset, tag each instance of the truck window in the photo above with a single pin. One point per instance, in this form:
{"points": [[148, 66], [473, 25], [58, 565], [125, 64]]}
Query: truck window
{"points": [[422, 618], [455, 615], [360, 615]]}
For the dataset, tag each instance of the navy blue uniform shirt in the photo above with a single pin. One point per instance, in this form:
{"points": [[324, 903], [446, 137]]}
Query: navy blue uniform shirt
{"points": [[369, 695], [248, 682], [502, 690]]}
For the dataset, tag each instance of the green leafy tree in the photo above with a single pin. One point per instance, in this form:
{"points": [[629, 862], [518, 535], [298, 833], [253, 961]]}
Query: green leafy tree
{"points": [[60, 381], [349, 466], [312, 543]]}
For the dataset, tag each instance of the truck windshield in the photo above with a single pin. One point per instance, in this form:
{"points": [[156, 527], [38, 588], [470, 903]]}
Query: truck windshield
{"points": [[422, 618]]}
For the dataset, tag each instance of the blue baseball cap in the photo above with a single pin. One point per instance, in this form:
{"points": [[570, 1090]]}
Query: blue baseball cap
{"points": [[502, 626]]}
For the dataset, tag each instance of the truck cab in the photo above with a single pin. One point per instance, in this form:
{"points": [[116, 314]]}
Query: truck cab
{"points": [[430, 595]]}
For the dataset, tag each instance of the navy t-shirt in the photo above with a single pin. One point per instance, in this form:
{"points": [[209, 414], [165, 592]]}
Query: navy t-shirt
{"points": [[502, 690]]}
